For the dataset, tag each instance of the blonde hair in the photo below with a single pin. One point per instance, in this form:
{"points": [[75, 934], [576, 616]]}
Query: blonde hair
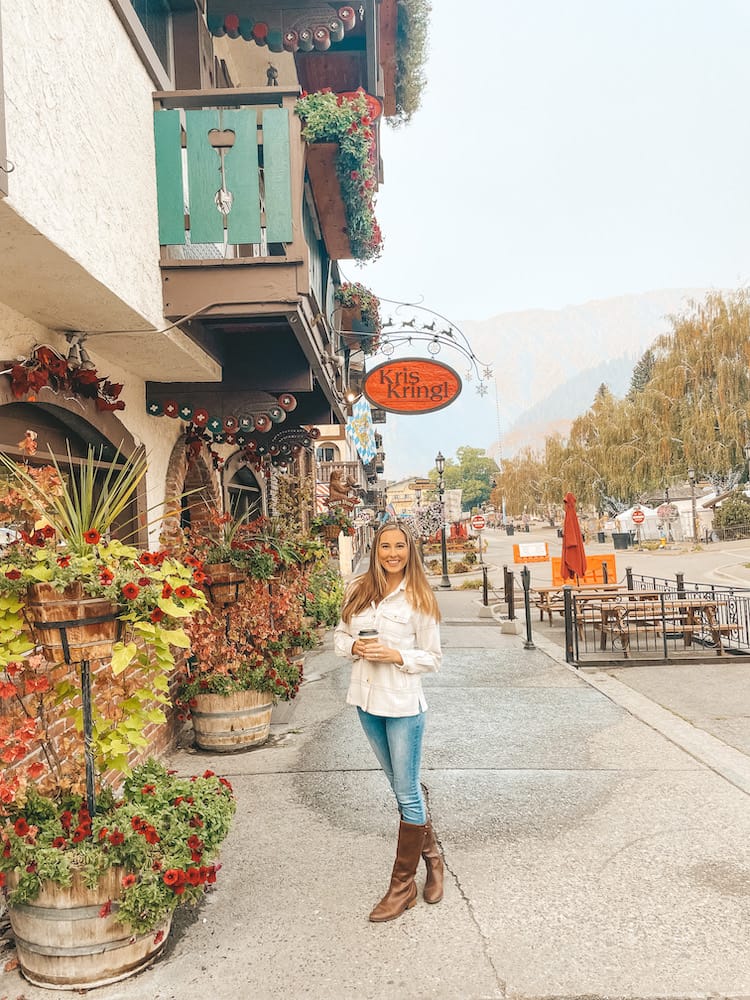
{"points": [[372, 585]]}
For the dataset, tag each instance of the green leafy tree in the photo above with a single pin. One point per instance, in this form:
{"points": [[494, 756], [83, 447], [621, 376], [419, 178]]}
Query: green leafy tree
{"points": [[473, 474]]}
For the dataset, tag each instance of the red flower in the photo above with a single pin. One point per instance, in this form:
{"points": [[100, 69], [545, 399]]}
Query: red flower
{"points": [[128, 880], [193, 876], [159, 937], [184, 592], [209, 774], [66, 819], [106, 576], [80, 833], [106, 909], [60, 842], [137, 823], [92, 536], [166, 590], [21, 827], [171, 876], [103, 833], [148, 790], [130, 591], [116, 838], [156, 615], [143, 581], [13, 574], [152, 837], [147, 559], [63, 562]]}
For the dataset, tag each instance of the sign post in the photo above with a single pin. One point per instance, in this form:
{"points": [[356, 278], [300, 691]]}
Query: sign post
{"points": [[478, 524], [638, 518]]}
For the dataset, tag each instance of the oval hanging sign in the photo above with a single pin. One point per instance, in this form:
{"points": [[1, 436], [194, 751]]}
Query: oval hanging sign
{"points": [[412, 385]]}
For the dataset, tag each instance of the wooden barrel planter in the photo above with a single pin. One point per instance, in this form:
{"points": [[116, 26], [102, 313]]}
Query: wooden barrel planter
{"points": [[68, 622], [64, 944], [226, 723], [227, 583]]}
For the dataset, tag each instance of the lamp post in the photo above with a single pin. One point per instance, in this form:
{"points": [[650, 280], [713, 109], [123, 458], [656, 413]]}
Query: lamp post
{"points": [[445, 583], [691, 477], [746, 450]]}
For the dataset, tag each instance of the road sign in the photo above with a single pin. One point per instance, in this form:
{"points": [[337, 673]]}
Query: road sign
{"points": [[422, 484], [638, 517], [478, 522]]}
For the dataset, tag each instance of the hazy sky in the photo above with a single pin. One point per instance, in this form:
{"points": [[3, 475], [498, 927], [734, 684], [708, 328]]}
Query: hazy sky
{"points": [[568, 151]]}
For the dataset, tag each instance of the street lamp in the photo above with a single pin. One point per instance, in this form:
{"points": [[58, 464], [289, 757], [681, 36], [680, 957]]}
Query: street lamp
{"points": [[691, 477], [746, 450], [445, 583]]}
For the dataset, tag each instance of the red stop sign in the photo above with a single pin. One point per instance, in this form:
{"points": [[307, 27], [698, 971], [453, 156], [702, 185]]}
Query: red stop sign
{"points": [[638, 517], [478, 522]]}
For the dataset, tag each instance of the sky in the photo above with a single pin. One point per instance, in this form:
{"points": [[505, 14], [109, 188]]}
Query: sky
{"points": [[563, 152]]}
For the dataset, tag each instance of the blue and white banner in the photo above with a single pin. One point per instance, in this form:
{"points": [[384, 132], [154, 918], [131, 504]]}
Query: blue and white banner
{"points": [[360, 430]]}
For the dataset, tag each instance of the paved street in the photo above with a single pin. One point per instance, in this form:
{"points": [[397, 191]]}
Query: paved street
{"points": [[594, 847]]}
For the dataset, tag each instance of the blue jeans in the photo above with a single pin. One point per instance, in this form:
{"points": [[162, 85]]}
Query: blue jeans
{"points": [[398, 746]]}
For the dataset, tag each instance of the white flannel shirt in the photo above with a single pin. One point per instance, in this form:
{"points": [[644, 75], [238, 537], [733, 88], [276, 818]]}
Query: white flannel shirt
{"points": [[391, 689]]}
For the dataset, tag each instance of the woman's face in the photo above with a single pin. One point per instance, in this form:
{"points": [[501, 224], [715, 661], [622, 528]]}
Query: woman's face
{"points": [[393, 552]]}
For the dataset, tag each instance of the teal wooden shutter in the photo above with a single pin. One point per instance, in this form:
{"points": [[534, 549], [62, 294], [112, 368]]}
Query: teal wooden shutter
{"points": [[277, 175], [170, 196]]}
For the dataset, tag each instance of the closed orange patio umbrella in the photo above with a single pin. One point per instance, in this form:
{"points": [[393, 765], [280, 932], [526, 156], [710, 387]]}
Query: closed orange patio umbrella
{"points": [[573, 562]]}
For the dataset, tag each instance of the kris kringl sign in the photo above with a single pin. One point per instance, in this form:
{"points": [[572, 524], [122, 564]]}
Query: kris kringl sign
{"points": [[412, 385]]}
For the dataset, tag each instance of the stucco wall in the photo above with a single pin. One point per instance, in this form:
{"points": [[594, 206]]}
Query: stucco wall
{"points": [[79, 130]]}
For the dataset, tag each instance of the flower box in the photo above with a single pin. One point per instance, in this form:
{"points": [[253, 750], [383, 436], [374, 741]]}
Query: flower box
{"points": [[321, 168]]}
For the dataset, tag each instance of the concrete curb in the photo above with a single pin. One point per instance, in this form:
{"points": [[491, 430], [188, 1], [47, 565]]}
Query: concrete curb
{"points": [[731, 764]]}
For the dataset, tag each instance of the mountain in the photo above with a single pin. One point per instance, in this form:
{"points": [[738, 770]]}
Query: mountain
{"points": [[549, 363]]}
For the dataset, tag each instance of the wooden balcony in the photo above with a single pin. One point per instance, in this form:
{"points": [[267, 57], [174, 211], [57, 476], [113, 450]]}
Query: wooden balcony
{"points": [[242, 269]]}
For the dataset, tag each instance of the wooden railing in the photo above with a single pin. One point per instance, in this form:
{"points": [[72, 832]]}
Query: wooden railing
{"points": [[227, 164]]}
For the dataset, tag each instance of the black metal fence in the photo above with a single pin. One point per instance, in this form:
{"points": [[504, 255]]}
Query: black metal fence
{"points": [[656, 619]]}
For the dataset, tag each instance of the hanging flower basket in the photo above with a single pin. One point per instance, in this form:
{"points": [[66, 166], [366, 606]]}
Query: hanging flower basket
{"points": [[70, 626]]}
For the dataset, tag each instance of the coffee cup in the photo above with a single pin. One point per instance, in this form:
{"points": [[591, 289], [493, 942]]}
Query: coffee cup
{"points": [[368, 634]]}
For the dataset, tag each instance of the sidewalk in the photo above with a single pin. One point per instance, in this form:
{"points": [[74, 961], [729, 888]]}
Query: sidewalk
{"points": [[587, 853]]}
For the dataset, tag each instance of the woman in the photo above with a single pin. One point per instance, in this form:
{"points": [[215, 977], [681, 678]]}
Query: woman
{"points": [[394, 601]]}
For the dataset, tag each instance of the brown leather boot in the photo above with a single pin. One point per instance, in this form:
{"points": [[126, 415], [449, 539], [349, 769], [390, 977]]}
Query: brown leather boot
{"points": [[433, 888], [402, 892]]}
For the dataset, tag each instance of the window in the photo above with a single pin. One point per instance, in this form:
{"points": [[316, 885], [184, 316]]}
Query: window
{"points": [[154, 16], [149, 26], [327, 454]]}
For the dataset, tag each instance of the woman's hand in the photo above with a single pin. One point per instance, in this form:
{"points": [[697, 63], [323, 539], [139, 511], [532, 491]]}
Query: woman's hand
{"points": [[374, 650]]}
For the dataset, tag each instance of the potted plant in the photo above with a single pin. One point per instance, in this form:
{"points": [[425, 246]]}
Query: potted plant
{"points": [[68, 739], [239, 669], [67, 568], [331, 523], [113, 879], [359, 316], [347, 121]]}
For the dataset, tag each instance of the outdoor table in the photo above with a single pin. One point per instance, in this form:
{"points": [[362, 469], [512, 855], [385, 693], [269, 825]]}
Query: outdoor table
{"points": [[550, 599], [621, 620]]}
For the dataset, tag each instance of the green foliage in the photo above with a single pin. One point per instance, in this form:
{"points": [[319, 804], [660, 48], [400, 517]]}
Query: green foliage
{"points": [[473, 474], [337, 517], [325, 596], [356, 295], [274, 674], [411, 54], [164, 832], [733, 513]]}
